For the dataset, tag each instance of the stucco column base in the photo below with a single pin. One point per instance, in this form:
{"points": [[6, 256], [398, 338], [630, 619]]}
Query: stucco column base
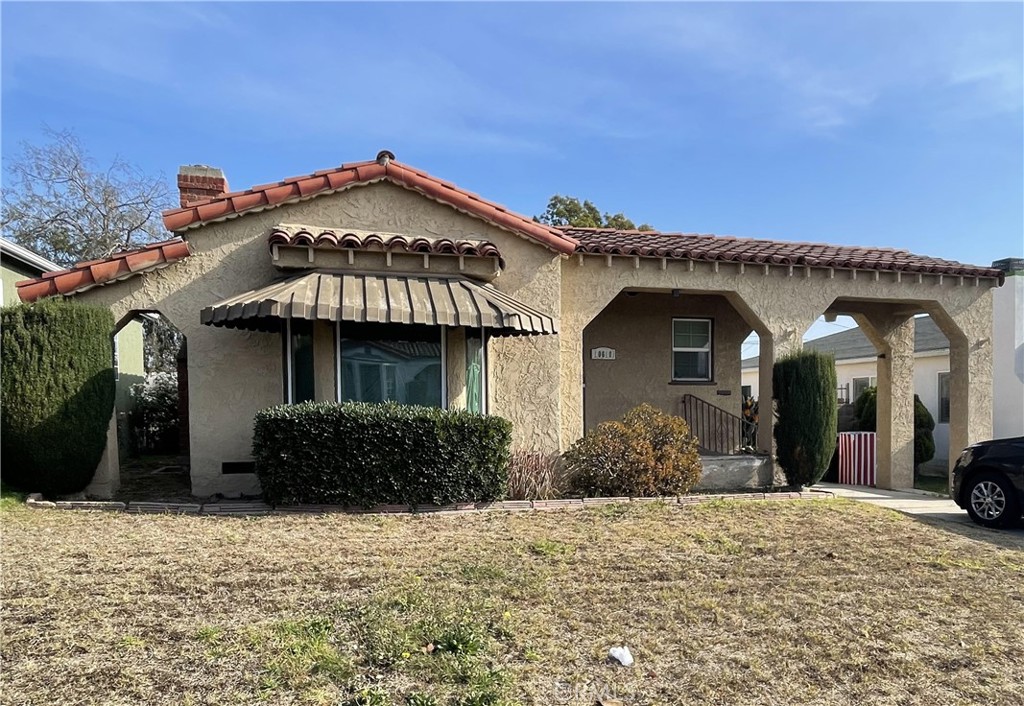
{"points": [[778, 341], [893, 338], [107, 479]]}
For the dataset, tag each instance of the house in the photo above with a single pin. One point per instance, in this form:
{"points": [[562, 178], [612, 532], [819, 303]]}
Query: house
{"points": [[439, 296], [856, 361], [17, 263], [20, 263]]}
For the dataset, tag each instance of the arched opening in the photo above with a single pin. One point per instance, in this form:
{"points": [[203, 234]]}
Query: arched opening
{"points": [[151, 408]]}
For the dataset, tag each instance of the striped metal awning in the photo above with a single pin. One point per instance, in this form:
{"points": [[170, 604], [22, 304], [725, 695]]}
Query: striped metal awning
{"points": [[379, 298]]}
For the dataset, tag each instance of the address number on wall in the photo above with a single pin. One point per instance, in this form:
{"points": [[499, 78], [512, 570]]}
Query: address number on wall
{"points": [[602, 353]]}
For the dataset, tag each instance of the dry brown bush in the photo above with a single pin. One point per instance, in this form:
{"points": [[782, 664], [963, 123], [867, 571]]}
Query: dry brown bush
{"points": [[648, 453]]}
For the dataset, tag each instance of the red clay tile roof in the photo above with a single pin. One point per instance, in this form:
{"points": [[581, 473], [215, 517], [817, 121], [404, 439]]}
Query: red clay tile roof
{"points": [[382, 242], [93, 273], [711, 248], [384, 169]]}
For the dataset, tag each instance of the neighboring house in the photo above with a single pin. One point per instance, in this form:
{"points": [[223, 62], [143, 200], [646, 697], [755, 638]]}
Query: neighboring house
{"points": [[375, 280], [1008, 354], [129, 370], [18, 263], [857, 359]]}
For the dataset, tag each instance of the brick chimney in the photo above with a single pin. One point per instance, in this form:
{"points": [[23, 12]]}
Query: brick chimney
{"points": [[198, 181]]}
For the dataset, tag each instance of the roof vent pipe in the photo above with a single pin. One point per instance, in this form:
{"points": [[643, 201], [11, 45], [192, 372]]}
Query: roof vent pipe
{"points": [[384, 157]]}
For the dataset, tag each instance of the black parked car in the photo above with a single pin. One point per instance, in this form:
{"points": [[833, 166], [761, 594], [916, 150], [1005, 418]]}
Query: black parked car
{"points": [[988, 481]]}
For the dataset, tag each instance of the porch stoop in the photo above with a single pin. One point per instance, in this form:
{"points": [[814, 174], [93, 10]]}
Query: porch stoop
{"points": [[736, 471]]}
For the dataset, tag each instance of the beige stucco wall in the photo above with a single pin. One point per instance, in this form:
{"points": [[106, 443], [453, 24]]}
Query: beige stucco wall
{"points": [[639, 328], [233, 374]]}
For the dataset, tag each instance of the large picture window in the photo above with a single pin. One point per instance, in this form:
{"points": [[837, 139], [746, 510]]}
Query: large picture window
{"points": [[691, 350], [378, 363]]}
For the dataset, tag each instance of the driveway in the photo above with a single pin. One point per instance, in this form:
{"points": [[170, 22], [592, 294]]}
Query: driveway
{"points": [[926, 506]]}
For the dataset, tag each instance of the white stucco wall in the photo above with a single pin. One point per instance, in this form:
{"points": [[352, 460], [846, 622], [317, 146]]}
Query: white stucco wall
{"points": [[1008, 358]]}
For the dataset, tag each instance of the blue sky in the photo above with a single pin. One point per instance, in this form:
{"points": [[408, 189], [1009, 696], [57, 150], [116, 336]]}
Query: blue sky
{"points": [[885, 124]]}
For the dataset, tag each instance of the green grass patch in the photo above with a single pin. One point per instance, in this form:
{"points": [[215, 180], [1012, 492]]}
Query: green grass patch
{"points": [[10, 499], [550, 547]]}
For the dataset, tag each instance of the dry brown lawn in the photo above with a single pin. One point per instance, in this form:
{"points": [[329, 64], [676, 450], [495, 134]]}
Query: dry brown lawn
{"points": [[727, 603]]}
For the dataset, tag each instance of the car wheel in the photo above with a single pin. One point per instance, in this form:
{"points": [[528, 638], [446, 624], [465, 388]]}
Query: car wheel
{"points": [[992, 501]]}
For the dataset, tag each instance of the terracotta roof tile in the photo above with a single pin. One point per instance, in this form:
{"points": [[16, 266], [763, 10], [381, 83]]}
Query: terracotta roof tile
{"points": [[711, 248], [301, 187], [302, 236], [94, 273]]}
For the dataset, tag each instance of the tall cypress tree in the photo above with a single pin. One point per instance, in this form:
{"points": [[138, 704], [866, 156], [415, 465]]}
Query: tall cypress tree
{"points": [[57, 387], [806, 408]]}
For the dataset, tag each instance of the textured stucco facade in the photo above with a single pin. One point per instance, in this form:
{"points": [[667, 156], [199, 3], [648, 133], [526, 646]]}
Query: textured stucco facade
{"points": [[638, 327], [537, 382], [233, 374]]}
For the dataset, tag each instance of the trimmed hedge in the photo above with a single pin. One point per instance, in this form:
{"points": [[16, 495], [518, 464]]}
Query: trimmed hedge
{"points": [[56, 358], [376, 454], [806, 407]]}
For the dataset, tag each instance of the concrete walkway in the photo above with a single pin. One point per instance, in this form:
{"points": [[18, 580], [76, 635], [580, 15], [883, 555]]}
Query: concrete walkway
{"points": [[927, 506]]}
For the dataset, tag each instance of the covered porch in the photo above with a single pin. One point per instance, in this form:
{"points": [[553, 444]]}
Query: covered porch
{"points": [[665, 326]]}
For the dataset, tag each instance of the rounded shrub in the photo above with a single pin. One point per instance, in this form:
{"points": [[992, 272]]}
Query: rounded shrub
{"points": [[57, 386], [924, 424], [647, 453], [806, 408]]}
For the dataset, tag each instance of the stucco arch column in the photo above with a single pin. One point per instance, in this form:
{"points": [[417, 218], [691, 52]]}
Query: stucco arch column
{"points": [[780, 323], [968, 326], [570, 343], [892, 335]]}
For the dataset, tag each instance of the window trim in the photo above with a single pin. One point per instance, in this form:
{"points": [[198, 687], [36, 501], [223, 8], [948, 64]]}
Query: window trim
{"points": [[710, 350], [938, 395]]}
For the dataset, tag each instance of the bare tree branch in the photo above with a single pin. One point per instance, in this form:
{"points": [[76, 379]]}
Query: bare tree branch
{"points": [[57, 202]]}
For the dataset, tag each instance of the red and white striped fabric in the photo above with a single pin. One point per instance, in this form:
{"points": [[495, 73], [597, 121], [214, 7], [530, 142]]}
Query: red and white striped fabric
{"points": [[857, 458]]}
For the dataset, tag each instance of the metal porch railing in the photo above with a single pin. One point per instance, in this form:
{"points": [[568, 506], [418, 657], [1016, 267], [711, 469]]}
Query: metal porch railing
{"points": [[717, 431]]}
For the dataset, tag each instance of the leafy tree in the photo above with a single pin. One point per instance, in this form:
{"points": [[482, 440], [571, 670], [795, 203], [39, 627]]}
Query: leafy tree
{"points": [[57, 385], [570, 211], [804, 390], [161, 342], [924, 424], [57, 201], [154, 413]]}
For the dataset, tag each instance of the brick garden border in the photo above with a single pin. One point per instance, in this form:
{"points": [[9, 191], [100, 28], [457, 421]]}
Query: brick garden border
{"points": [[242, 508]]}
